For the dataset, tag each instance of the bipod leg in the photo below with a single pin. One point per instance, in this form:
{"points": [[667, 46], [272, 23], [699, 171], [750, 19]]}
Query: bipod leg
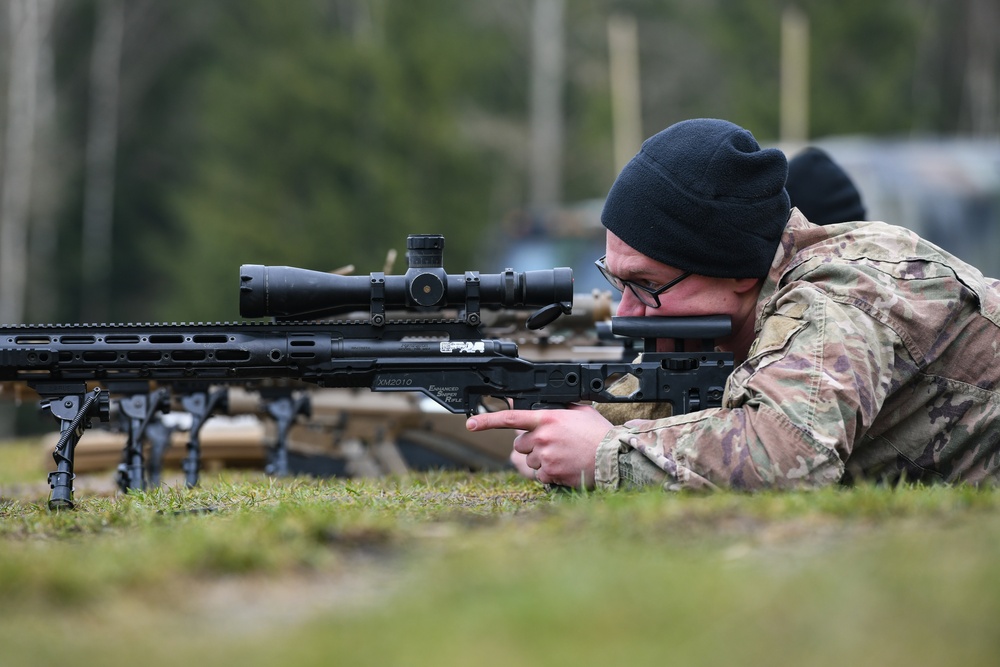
{"points": [[283, 409], [139, 409], [73, 410], [201, 405], [159, 435]]}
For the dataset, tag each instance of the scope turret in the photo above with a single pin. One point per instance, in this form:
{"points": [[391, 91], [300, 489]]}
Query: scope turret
{"points": [[286, 292]]}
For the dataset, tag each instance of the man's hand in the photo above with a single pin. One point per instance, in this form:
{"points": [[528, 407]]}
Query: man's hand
{"points": [[554, 446]]}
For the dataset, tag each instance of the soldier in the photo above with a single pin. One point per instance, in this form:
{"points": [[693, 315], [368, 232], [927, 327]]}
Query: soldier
{"points": [[862, 351], [821, 189]]}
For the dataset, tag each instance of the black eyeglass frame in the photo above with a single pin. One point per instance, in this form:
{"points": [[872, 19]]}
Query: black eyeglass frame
{"points": [[649, 296]]}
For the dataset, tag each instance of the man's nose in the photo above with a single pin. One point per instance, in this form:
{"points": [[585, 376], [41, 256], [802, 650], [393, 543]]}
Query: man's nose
{"points": [[630, 306]]}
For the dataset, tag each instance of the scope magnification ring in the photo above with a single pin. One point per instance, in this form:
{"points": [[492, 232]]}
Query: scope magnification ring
{"points": [[509, 286]]}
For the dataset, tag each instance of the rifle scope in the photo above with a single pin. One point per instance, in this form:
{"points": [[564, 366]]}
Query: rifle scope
{"points": [[286, 292]]}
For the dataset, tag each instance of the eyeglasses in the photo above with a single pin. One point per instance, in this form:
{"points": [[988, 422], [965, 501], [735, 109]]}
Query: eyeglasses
{"points": [[649, 296]]}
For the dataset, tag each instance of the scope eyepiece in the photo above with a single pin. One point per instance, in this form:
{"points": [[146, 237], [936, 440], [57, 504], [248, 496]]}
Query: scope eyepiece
{"points": [[287, 292]]}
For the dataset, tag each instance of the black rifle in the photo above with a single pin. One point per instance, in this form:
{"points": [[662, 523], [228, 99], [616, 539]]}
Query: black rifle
{"points": [[447, 360]]}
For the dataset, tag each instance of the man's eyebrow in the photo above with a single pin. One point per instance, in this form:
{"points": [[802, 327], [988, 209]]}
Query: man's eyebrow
{"points": [[626, 267], [643, 272]]}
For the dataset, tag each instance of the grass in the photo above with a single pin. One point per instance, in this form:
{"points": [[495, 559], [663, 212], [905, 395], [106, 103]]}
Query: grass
{"points": [[22, 461], [488, 569]]}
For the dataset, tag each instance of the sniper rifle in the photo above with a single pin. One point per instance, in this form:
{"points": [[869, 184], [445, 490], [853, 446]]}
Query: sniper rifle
{"points": [[75, 367]]}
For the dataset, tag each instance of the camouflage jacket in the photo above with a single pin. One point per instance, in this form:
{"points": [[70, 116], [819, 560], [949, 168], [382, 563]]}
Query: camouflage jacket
{"points": [[877, 356]]}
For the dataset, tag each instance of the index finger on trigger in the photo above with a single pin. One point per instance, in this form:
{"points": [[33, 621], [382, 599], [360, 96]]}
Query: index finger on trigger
{"points": [[524, 420]]}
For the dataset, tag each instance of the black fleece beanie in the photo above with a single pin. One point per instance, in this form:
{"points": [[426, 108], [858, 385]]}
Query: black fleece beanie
{"points": [[821, 189], [702, 196]]}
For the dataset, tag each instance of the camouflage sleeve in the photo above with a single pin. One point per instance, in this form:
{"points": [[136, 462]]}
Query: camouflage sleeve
{"points": [[814, 380]]}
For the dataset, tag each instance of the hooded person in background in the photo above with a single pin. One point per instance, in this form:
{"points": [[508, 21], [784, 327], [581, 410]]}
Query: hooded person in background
{"points": [[821, 189], [861, 351]]}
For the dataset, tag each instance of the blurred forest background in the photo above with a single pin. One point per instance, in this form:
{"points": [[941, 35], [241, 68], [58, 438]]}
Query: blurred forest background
{"points": [[150, 147]]}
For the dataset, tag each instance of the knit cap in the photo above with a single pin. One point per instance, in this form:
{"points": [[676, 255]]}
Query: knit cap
{"points": [[821, 189], [702, 196]]}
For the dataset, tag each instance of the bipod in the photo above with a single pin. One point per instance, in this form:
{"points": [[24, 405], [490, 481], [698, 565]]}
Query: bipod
{"points": [[74, 407], [139, 408], [201, 404], [283, 406], [159, 434]]}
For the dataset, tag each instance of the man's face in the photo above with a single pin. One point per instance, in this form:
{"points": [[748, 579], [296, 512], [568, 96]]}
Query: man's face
{"points": [[694, 295]]}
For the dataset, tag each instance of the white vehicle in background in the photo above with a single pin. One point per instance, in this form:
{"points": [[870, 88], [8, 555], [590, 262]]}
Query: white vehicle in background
{"points": [[946, 190]]}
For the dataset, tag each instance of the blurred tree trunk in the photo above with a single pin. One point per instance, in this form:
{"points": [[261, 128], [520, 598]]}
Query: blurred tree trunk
{"points": [[99, 177], [626, 96], [981, 94], [15, 193], [19, 140], [793, 117], [47, 178], [547, 76]]}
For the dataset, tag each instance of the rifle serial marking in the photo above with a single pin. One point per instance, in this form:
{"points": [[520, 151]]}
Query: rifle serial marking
{"points": [[463, 346], [394, 382]]}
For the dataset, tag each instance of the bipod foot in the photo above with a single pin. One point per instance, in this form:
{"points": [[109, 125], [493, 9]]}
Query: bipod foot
{"points": [[73, 407]]}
